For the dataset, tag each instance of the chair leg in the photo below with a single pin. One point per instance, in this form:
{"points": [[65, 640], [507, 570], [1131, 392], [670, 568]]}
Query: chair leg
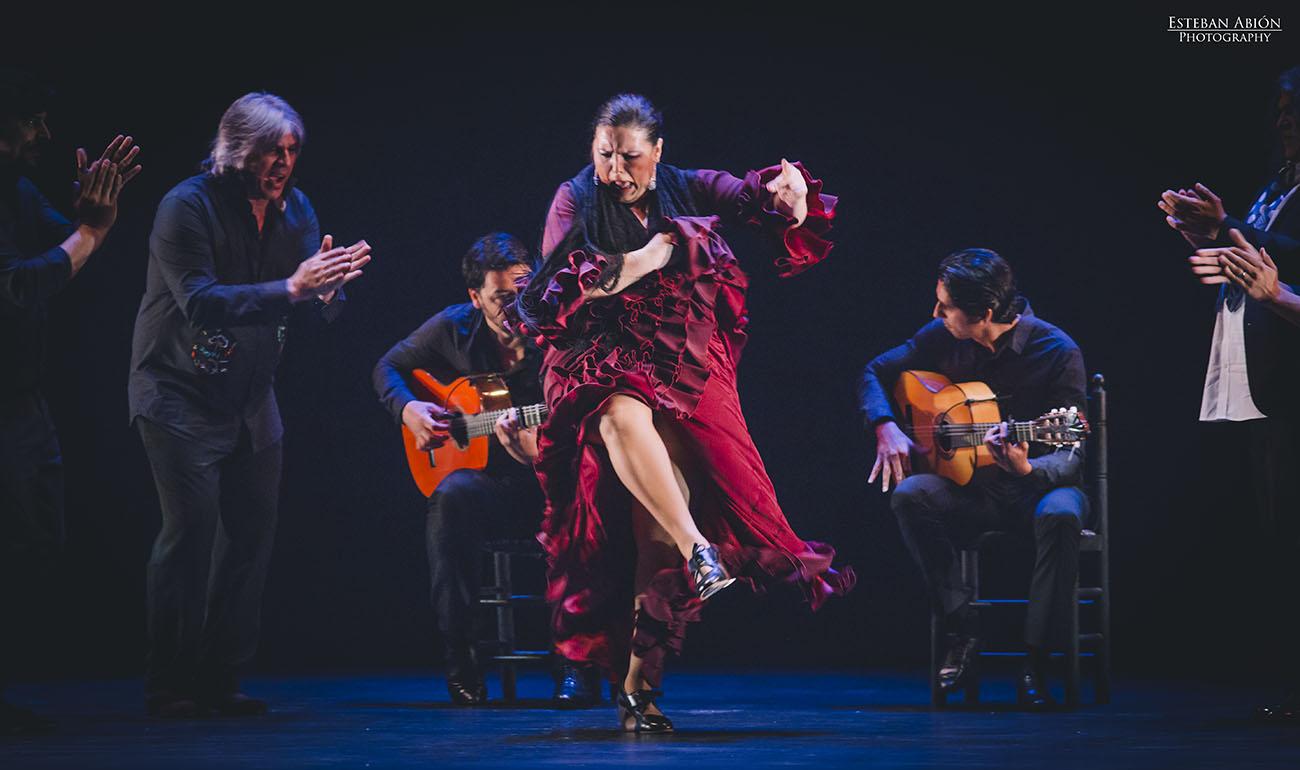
{"points": [[937, 699], [970, 569], [1102, 661], [505, 623], [1072, 653]]}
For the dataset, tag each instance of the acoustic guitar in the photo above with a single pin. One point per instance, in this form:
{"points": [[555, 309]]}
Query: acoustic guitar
{"points": [[947, 423], [478, 401]]}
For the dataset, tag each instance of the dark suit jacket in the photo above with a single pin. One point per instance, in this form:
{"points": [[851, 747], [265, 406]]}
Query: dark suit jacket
{"points": [[1273, 344]]}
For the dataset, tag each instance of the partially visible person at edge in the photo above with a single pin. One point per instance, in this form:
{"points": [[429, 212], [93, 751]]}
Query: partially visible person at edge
{"points": [[501, 501], [1255, 364], [234, 251], [40, 252], [984, 330], [656, 495]]}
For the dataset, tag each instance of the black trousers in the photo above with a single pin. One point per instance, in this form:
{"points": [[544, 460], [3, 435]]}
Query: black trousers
{"points": [[31, 520], [1275, 476], [937, 517], [468, 508], [209, 562]]}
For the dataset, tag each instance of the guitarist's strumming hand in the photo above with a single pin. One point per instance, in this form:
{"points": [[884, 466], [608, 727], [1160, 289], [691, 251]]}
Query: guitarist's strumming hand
{"points": [[1010, 456], [519, 443], [893, 455], [428, 422]]}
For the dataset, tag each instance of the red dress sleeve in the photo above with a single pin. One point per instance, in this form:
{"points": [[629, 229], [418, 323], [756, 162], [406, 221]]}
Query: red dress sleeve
{"points": [[559, 218], [748, 201]]}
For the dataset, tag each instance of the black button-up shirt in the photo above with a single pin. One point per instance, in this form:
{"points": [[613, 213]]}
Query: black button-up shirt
{"points": [[455, 343], [215, 311], [33, 268], [1034, 367]]}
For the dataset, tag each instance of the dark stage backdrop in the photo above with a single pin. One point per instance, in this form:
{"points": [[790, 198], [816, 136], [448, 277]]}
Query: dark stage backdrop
{"points": [[1050, 145]]}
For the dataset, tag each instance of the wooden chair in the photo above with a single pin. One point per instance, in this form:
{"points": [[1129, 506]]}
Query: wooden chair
{"points": [[1095, 645]]}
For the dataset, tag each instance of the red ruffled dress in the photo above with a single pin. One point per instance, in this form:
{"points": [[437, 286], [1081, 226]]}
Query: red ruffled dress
{"points": [[671, 340]]}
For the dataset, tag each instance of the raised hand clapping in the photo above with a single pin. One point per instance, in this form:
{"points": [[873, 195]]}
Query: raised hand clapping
{"points": [[98, 184]]}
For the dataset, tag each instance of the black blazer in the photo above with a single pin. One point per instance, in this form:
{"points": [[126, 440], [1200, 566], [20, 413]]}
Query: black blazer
{"points": [[1273, 344]]}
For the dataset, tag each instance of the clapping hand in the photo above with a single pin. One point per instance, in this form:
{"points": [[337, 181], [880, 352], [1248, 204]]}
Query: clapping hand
{"points": [[98, 184], [323, 273], [1196, 213], [1250, 268]]}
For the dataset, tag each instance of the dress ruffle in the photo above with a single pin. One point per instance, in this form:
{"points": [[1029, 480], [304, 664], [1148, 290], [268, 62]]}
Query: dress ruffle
{"points": [[671, 340], [660, 326], [805, 245]]}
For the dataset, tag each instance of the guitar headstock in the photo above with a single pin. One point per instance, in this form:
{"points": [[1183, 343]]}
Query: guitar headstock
{"points": [[1061, 428]]}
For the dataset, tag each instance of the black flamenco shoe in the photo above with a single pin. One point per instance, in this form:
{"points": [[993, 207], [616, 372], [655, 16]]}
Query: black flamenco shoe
{"points": [[632, 707], [708, 573]]}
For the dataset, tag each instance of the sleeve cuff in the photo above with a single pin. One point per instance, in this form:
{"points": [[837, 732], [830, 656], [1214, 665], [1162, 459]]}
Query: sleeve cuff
{"points": [[805, 245]]}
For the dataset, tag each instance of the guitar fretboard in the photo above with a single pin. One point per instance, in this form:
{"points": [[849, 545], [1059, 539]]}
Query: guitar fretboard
{"points": [[481, 424], [972, 434]]}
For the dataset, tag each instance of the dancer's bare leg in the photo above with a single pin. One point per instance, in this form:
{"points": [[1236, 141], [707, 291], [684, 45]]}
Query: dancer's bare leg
{"points": [[640, 458], [655, 551]]}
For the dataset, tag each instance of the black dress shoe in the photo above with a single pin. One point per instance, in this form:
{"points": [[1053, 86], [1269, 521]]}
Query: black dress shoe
{"points": [[1031, 690], [1285, 712], [464, 678], [466, 688], [16, 720], [959, 663], [235, 704], [577, 685]]}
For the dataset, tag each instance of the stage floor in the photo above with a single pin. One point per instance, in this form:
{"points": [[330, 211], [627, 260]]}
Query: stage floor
{"points": [[756, 719]]}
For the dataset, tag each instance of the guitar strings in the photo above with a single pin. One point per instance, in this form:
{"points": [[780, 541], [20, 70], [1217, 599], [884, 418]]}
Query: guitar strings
{"points": [[480, 424]]}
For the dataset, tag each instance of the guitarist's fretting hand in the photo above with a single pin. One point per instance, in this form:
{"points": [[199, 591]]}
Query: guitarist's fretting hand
{"points": [[1010, 456], [893, 455], [428, 422], [519, 443]]}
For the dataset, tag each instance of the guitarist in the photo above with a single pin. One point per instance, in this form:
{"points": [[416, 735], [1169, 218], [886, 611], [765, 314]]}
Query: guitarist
{"points": [[469, 506], [983, 331]]}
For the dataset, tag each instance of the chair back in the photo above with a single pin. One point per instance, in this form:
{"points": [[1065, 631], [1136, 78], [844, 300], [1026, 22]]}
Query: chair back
{"points": [[1096, 468]]}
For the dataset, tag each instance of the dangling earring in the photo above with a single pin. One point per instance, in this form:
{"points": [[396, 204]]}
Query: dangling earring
{"points": [[653, 179]]}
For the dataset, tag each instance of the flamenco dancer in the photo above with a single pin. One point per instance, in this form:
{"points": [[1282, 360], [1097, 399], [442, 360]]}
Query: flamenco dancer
{"points": [[646, 461]]}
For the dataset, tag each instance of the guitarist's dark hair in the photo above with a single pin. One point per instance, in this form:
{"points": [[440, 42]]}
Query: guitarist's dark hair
{"points": [[979, 280], [22, 95], [494, 251]]}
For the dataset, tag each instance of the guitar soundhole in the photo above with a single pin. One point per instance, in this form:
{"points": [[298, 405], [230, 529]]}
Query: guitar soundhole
{"points": [[459, 432], [942, 439]]}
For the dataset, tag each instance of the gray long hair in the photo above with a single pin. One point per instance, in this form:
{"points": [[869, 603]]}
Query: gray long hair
{"points": [[253, 123]]}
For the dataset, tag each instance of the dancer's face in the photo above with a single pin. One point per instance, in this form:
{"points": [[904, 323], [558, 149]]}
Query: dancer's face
{"points": [[625, 159], [270, 170], [1288, 126], [955, 320], [499, 289]]}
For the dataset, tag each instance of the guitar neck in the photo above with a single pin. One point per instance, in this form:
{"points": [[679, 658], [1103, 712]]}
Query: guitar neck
{"points": [[481, 424], [972, 434]]}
